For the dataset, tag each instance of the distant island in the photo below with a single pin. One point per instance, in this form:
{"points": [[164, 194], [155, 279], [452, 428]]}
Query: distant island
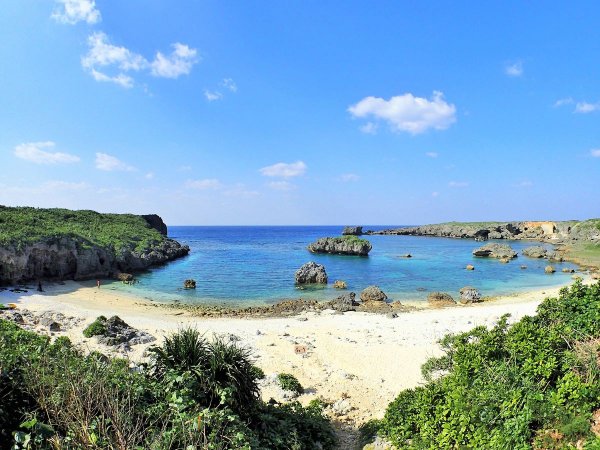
{"points": [[60, 244]]}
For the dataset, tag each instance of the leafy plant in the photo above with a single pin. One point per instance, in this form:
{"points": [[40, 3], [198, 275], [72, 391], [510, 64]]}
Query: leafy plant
{"points": [[289, 382], [96, 328]]}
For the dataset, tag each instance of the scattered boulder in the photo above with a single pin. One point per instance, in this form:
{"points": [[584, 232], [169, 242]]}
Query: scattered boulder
{"points": [[440, 299], [469, 294], [189, 284], [344, 302], [347, 245], [391, 315], [470, 267], [352, 231], [340, 284], [341, 407], [523, 267], [536, 251], [568, 270], [406, 255], [494, 250], [549, 269], [504, 260], [311, 273], [554, 256], [116, 332], [372, 294], [124, 277], [595, 276]]}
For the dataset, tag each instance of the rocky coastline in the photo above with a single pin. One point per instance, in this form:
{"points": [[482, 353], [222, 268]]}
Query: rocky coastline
{"points": [[346, 245], [69, 255]]}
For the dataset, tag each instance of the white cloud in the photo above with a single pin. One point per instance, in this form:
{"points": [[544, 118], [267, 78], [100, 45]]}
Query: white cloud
{"points": [[281, 185], [121, 79], [229, 84], [211, 96], [458, 184], [585, 107], [33, 152], [149, 176], [111, 163], [514, 69], [178, 63], [563, 101], [284, 170], [432, 154], [369, 128], [348, 177], [74, 11], [408, 113], [207, 183], [595, 152]]}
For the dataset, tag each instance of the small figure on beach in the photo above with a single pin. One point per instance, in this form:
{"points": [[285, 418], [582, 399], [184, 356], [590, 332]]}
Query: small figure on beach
{"points": [[98, 284], [39, 288]]}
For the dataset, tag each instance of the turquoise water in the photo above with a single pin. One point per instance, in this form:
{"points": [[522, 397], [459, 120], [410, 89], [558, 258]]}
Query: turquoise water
{"points": [[256, 265]]}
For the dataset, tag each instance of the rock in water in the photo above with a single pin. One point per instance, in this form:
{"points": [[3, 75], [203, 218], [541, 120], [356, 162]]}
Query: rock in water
{"points": [[469, 294], [352, 231], [439, 299], [470, 267], [535, 251], [311, 273], [124, 277], [372, 294], [348, 245], [339, 284], [494, 250], [549, 269], [189, 284]]}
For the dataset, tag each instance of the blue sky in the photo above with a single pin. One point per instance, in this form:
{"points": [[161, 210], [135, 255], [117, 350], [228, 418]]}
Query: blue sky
{"points": [[282, 112]]}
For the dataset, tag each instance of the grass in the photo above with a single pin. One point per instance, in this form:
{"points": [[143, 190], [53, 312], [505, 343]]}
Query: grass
{"points": [[22, 226]]}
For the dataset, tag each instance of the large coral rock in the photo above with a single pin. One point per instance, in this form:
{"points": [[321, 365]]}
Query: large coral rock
{"points": [[372, 294], [311, 273], [494, 250], [439, 299], [341, 245], [469, 294]]}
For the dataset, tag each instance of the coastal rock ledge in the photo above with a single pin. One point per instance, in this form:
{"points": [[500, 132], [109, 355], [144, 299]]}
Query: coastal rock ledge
{"points": [[494, 250], [347, 245], [59, 244]]}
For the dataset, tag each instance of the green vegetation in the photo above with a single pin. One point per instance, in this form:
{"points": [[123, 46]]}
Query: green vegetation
{"points": [[96, 328], [532, 385], [23, 225], [290, 383], [193, 394], [352, 239]]}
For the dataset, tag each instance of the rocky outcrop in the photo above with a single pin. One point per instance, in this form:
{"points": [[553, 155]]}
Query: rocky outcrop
{"points": [[116, 332], [469, 294], [156, 222], [340, 284], [536, 251], [189, 284], [344, 302], [493, 250], [549, 269], [372, 294], [440, 299], [311, 273], [348, 245], [352, 231]]}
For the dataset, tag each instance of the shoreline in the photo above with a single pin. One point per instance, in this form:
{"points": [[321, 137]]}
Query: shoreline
{"points": [[368, 358]]}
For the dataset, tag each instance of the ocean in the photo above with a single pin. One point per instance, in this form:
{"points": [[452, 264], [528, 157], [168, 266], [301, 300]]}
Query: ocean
{"points": [[253, 265]]}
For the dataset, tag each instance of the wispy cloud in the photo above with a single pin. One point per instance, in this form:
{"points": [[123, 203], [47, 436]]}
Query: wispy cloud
{"points": [[284, 170], [595, 152], [281, 185], [229, 84], [107, 62], [585, 107], [111, 163], [205, 184], [212, 96], [408, 113], [74, 11], [432, 154], [514, 69], [458, 184], [369, 128], [349, 177], [37, 152], [563, 101]]}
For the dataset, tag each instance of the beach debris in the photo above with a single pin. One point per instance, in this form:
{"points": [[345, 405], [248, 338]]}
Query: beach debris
{"points": [[340, 284], [372, 294], [311, 273], [469, 294], [189, 284], [440, 299], [494, 250], [549, 269], [352, 231], [470, 267]]}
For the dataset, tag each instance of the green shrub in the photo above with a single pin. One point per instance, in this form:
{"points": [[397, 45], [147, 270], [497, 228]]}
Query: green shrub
{"points": [[289, 382], [96, 328], [534, 384]]}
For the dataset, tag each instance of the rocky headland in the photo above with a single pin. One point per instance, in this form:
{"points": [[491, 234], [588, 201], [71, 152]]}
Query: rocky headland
{"points": [[346, 245], [59, 244]]}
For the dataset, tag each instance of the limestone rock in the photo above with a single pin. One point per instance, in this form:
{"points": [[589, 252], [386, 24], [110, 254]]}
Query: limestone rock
{"points": [[470, 267], [352, 231], [568, 270], [311, 273], [440, 299], [189, 284], [549, 269], [469, 294], [494, 250], [340, 284], [372, 294], [344, 302], [535, 251], [124, 277], [348, 245]]}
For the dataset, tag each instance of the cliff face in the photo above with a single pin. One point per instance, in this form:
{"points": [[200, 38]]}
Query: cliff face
{"points": [[64, 253]]}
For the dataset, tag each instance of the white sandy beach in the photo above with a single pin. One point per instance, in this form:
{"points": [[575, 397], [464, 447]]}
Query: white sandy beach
{"points": [[365, 357]]}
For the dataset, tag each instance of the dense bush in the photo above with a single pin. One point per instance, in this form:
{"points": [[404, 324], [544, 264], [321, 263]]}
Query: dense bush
{"points": [[534, 384], [290, 383], [195, 394], [96, 328]]}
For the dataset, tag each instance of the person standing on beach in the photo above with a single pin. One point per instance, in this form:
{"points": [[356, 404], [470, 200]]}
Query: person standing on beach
{"points": [[98, 283]]}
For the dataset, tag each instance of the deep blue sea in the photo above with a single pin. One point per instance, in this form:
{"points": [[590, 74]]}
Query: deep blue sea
{"points": [[256, 265]]}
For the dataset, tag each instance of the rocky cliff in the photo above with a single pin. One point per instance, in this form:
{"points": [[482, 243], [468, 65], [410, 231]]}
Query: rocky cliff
{"points": [[57, 244]]}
